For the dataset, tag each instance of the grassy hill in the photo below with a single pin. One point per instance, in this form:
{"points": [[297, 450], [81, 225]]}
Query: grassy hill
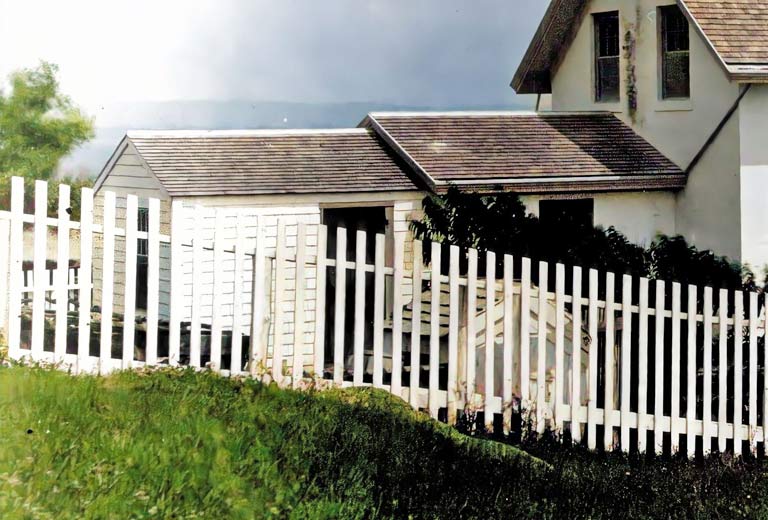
{"points": [[179, 444]]}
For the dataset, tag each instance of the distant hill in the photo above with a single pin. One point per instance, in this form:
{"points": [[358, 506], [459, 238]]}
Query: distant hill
{"points": [[113, 121]]}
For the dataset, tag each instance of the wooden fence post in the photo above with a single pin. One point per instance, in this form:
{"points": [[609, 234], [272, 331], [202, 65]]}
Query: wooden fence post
{"points": [[62, 274]]}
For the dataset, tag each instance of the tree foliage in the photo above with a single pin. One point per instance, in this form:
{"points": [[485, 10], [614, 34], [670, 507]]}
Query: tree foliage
{"points": [[500, 223], [38, 127]]}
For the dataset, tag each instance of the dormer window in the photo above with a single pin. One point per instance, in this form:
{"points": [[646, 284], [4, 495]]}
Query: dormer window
{"points": [[675, 54], [607, 48]]}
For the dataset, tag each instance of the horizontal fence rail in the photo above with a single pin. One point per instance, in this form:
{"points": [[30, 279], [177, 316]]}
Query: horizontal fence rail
{"points": [[614, 362]]}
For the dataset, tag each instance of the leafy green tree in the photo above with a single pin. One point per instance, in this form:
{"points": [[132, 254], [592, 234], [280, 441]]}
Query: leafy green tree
{"points": [[38, 127]]}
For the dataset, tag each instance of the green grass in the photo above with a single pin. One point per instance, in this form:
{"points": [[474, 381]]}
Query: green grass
{"points": [[179, 444], [175, 444]]}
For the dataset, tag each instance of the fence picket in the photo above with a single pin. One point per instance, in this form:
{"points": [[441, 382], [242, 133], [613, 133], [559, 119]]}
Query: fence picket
{"points": [[691, 363], [610, 360], [177, 283], [281, 275], [298, 305], [153, 281], [129, 307], [508, 342], [340, 304], [397, 316], [738, 369], [359, 316], [675, 374], [195, 331], [415, 362], [594, 319], [471, 326], [15, 268], [753, 317], [40, 275], [576, 344], [217, 299], [765, 379], [525, 335], [86, 279], [320, 288], [642, 369], [490, 336], [658, 381], [257, 357], [61, 293], [434, 329], [236, 354], [722, 372], [707, 411], [559, 344], [626, 358], [541, 350], [378, 312], [108, 282], [453, 334]]}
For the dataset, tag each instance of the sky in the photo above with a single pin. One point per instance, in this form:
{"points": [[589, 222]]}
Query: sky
{"points": [[114, 56]]}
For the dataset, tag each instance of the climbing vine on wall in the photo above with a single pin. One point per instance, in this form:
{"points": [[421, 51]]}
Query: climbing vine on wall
{"points": [[631, 80]]}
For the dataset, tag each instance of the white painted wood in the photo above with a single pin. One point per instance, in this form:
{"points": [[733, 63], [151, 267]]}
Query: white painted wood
{"points": [[541, 350], [40, 274], [676, 375], [471, 326], [707, 411], [298, 305], [238, 296], [434, 330], [738, 370], [257, 358], [626, 359], [576, 342], [378, 312], [129, 261], [594, 319], [340, 303], [490, 336], [453, 334], [177, 283], [278, 345], [722, 372], [15, 278], [61, 294], [320, 288], [153, 280], [559, 345], [692, 371], [413, 395], [508, 344], [610, 362], [753, 324], [359, 330], [525, 335], [765, 379], [642, 368], [658, 405], [197, 289], [397, 315], [108, 282], [86, 279]]}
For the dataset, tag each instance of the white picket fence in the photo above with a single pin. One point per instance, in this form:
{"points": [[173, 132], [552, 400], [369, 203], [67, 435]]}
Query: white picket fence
{"points": [[616, 366]]}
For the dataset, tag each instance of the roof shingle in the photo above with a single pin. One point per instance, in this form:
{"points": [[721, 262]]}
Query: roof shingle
{"points": [[271, 162]]}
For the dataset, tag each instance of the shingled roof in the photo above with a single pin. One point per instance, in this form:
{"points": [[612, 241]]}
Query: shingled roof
{"points": [[270, 162], [526, 152], [735, 30]]}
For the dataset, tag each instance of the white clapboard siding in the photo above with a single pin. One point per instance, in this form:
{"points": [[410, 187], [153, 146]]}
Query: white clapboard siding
{"points": [[62, 273]]}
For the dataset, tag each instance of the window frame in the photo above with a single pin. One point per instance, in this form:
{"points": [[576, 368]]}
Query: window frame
{"points": [[662, 13], [597, 92]]}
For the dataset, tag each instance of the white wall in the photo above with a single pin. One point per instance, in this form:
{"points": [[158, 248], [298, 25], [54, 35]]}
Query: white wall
{"points": [[708, 209], [641, 216]]}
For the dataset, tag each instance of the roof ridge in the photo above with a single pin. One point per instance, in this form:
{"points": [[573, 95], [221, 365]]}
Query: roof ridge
{"points": [[266, 132]]}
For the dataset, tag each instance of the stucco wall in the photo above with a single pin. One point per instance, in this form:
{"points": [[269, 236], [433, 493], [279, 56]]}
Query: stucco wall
{"points": [[754, 176], [708, 210], [641, 216]]}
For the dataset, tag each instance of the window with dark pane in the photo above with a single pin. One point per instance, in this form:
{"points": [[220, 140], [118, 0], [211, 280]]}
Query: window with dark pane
{"points": [[142, 260], [607, 50], [675, 54], [573, 214]]}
